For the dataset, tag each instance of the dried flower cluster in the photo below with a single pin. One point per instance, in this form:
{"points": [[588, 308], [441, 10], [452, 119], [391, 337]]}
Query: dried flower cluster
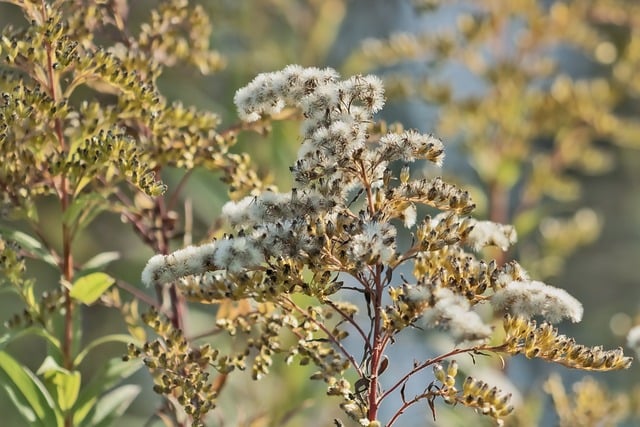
{"points": [[475, 394], [343, 216], [84, 126], [180, 370], [543, 341]]}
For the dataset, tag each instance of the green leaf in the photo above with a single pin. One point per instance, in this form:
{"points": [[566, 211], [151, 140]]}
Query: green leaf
{"points": [[89, 288], [29, 243], [64, 384], [123, 338], [27, 393], [68, 388], [113, 404], [114, 371], [100, 261]]}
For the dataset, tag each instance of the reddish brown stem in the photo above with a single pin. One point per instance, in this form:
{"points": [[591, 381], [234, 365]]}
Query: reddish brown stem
{"points": [[406, 404], [377, 347], [176, 300], [67, 234], [440, 358], [176, 193], [139, 295]]}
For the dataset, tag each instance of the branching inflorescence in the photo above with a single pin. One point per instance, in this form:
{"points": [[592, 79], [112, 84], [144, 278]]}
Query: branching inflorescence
{"points": [[338, 230], [84, 130]]}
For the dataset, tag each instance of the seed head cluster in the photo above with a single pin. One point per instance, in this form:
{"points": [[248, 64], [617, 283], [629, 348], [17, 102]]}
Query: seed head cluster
{"points": [[353, 195]]}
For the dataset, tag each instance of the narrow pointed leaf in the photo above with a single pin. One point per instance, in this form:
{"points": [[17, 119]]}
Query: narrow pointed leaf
{"points": [[113, 404], [29, 243], [27, 393], [100, 261], [112, 338]]}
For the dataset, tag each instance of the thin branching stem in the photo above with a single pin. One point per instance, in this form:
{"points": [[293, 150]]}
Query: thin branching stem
{"points": [[176, 193], [330, 336], [438, 359], [351, 321], [141, 296], [407, 404]]}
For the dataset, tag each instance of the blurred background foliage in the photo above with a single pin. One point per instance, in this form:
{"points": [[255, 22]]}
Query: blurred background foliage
{"points": [[537, 102]]}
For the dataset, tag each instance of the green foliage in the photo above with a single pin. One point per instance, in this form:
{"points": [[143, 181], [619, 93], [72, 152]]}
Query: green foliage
{"points": [[82, 122], [28, 393]]}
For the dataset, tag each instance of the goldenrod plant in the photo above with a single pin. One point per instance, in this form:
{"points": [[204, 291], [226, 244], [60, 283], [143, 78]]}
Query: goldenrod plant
{"points": [[83, 131], [334, 240], [319, 275]]}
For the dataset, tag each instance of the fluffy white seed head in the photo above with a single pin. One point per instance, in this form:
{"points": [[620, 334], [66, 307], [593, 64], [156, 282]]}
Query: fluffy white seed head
{"points": [[183, 262], [409, 216], [453, 312], [239, 212], [410, 146], [237, 254], [376, 243], [533, 298], [488, 233]]}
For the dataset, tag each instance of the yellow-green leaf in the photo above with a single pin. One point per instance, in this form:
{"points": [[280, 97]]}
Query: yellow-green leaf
{"points": [[33, 245], [27, 393], [63, 383], [89, 288], [68, 386]]}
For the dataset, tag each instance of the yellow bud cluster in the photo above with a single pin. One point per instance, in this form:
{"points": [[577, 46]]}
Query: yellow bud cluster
{"points": [[544, 342], [447, 377], [475, 393], [488, 400]]}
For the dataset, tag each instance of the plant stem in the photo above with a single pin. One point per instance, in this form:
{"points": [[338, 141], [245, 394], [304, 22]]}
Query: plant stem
{"points": [[440, 358], [177, 303], [377, 347], [330, 336], [67, 234], [405, 405], [350, 319], [139, 295]]}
